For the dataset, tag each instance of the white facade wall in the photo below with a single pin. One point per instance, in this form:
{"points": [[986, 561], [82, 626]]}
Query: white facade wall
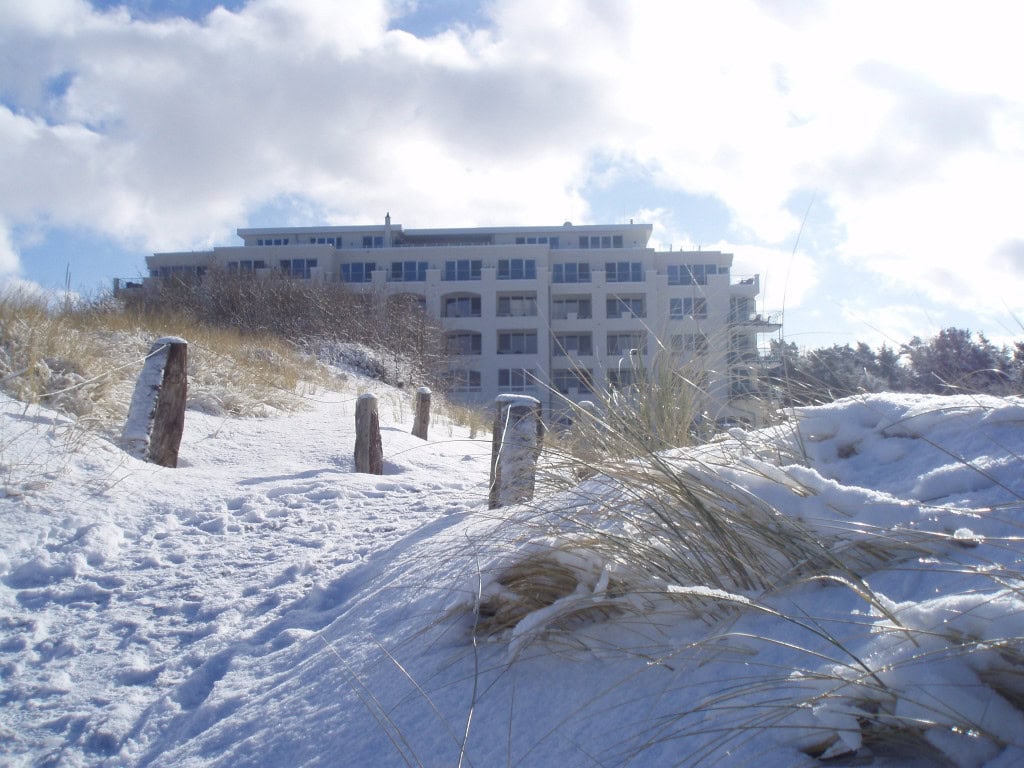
{"points": [[678, 297]]}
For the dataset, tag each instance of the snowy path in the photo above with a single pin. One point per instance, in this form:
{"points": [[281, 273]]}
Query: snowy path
{"points": [[137, 590], [263, 605]]}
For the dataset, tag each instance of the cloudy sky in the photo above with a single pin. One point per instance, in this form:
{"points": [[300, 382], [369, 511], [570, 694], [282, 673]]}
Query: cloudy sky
{"points": [[865, 158]]}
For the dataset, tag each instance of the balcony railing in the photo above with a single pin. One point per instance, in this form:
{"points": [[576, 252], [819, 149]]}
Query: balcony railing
{"points": [[755, 318], [752, 356]]}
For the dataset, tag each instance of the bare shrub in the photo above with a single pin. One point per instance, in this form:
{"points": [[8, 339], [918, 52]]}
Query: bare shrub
{"points": [[310, 315]]}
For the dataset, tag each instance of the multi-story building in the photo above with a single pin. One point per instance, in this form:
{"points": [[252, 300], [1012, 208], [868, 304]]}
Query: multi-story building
{"points": [[551, 311]]}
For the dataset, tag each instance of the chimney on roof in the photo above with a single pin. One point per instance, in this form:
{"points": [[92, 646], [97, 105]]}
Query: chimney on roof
{"points": [[387, 229]]}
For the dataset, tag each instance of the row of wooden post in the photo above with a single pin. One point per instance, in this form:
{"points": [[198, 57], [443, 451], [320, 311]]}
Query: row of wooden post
{"points": [[156, 421]]}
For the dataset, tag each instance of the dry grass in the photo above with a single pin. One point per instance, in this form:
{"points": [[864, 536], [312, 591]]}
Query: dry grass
{"points": [[626, 528], [83, 361]]}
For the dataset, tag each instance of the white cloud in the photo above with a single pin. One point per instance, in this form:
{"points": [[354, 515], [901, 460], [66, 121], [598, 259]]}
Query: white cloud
{"points": [[907, 120], [10, 262]]}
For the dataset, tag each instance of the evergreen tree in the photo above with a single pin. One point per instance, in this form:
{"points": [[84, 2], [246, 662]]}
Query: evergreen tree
{"points": [[954, 362]]}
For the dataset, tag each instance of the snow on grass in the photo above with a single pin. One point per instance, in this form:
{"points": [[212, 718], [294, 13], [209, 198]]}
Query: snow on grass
{"points": [[263, 604]]}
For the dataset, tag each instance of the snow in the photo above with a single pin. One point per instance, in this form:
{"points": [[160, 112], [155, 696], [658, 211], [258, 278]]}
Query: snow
{"points": [[263, 604]]}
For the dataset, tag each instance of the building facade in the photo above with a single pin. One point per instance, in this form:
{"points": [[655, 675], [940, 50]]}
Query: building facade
{"points": [[553, 311]]}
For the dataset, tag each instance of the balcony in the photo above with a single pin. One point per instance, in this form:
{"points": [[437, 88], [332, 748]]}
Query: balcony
{"points": [[756, 321], [749, 285], [751, 356]]}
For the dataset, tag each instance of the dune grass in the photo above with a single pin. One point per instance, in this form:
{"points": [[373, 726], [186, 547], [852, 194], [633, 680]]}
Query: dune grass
{"points": [[83, 359], [628, 526]]}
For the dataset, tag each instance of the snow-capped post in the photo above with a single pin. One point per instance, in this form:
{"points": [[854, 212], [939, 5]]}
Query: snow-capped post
{"points": [[369, 449], [422, 419], [515, 447], [156, 415]]}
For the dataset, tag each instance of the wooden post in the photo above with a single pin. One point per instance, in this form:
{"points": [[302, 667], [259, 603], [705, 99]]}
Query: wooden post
{"points": [[422, 419], [369, 453], [156, 416], [586, 437], [515, 447]]}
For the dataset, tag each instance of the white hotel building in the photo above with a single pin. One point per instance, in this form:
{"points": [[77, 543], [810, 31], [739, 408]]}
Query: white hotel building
{"points": [[549, 311]]}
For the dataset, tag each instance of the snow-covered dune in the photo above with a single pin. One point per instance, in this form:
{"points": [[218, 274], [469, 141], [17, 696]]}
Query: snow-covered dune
{"points": [[265, 605]]}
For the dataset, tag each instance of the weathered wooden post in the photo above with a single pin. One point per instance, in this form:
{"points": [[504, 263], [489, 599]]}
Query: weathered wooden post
{"points": [[156, 415], [369, 453], [422, 419], [586, 436], [515, 447]]}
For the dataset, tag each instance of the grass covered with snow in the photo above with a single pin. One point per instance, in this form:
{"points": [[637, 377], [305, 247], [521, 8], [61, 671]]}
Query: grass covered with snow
{"points": [[846, 586]]}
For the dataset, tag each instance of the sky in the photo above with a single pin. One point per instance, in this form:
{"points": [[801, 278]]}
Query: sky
{"points": [[865, 159]]}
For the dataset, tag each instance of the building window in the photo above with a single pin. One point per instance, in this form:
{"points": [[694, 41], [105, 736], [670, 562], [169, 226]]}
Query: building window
{"points": [[619, 378], [573, 344], [692, 274], [462, 269], [571, 273], [464, 381], [619, 307], [601, 241], [178, 271], [517, 269], [358, 272], [298, 267], [568, 308], [462, 343], [624, 272], [516, 379], [690, 342], [461, 306], [373, 241], [574, 380], [741, 310], [680, 308], [517, 343], [517, 306], [620, 344], [697, 307], [408, 271]]}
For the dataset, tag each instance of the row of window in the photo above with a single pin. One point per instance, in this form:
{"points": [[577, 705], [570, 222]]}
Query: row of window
{"points": [[471, 269], [509, 379], [564, 380], [246, 265], [563, 309], [462, 343], [177, 271], [298, 267], [552, 241], [693, 274], [377, 241], [601, 241], [578, 272], [369, 241]]}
